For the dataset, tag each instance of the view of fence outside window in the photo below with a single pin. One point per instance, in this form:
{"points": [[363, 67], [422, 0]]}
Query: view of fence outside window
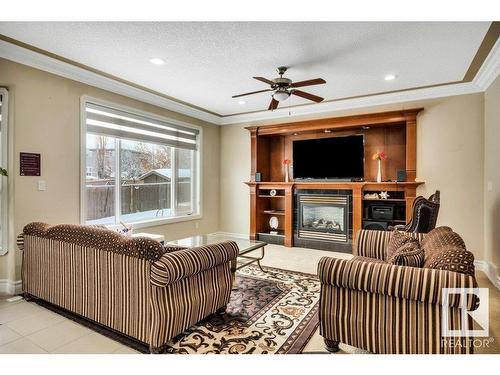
{"points": [[135, 180]]}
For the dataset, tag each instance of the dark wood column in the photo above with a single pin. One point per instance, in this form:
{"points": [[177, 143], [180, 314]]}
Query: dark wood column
{"points": [[289, 216], [411, 147], [253, 211], [357, 209]]}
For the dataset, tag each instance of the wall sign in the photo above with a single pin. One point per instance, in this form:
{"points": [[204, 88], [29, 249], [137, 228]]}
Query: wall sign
{"points": [[29, 164]]}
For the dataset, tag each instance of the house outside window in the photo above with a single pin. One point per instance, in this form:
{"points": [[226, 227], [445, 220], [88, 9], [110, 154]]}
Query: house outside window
{"points": [[138, 169]]}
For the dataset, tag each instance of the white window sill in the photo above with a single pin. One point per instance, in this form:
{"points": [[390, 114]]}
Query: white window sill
{"points": [[156, 222]]}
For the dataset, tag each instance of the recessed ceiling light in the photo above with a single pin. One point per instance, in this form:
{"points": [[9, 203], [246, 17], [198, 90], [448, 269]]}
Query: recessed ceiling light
{"points": [[390, 77], [242, 102], [157, 61]]}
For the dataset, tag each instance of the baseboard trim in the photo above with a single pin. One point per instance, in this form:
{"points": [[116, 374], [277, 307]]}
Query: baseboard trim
{"points": [[10, 287], [490, 270], [230, 234]]}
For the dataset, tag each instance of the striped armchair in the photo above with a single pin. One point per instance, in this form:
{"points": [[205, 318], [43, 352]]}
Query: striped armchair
{"points": [[384, 308], [132, 286]]}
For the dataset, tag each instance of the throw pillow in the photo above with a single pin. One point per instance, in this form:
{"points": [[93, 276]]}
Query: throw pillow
{"points": [[410, 254], [452, 258], [437, 239], [397, 240]]}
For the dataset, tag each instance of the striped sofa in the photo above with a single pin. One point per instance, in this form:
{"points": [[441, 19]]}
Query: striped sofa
{"points": [[133, 286], [385, 308]]}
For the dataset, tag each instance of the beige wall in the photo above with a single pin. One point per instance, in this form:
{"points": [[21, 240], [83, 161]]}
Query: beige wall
{"points": [[492, 175], [45, 118], [449, 158]]}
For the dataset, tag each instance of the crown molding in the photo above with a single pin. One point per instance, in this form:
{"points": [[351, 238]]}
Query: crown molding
{"points": [[490, 70], [485, 76], [355, 103], [37, 60]]}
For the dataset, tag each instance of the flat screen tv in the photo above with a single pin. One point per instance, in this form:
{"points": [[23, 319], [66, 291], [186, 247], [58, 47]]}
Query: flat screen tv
{"points": [[336, 158]]}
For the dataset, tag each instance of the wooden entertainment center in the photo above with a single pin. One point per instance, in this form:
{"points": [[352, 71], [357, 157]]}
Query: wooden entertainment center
{"points": [[392, 132]]}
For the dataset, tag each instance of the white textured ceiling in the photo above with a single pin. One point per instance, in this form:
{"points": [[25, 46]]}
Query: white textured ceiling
{"points": [[207, 63]]}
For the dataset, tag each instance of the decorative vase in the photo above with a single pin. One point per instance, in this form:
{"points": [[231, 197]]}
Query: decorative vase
{"points": [[286, 174], [379, 173]]}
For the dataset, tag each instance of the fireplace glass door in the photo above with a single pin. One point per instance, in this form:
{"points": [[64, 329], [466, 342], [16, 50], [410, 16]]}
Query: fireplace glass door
{"points": [[323, 217]]}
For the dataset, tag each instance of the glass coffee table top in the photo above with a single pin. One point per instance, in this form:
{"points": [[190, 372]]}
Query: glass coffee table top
{"points": [[245, 246]]}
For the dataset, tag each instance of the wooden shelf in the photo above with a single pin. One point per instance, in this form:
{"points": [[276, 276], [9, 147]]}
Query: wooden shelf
{"points": [[385, 221], [384, 200], [274, 212], [271, 196], [280, 234]]}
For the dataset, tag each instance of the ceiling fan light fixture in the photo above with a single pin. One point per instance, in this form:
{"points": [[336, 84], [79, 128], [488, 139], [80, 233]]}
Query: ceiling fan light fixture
{"points": [[281, 96]]}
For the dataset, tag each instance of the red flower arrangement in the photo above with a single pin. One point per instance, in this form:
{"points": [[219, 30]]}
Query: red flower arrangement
{"points": [[379, 156]]}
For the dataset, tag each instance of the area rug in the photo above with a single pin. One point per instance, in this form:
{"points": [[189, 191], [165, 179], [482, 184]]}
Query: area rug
{"points": [[275, 311]]}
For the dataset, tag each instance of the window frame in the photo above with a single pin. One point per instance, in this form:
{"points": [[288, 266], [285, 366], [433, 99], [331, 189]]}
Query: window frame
{"points": [[197, 180], [6, 183]]}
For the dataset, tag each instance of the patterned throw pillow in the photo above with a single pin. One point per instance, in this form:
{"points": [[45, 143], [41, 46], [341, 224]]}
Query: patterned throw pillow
{"points": [[398, 239], [437, 239], [410, 254], [452, 258]]}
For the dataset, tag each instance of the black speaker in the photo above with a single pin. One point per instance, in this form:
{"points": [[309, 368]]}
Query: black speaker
{"points": [[374, 225], [258, 177], [401, 176]]}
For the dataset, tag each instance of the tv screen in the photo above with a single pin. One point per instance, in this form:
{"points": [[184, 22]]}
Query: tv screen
{"points": [[329, 158]]}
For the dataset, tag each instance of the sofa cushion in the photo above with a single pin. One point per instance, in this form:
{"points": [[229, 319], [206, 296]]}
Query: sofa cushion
{"points": [[452, 258], [437, 239], [410, 254], [398, 239]]}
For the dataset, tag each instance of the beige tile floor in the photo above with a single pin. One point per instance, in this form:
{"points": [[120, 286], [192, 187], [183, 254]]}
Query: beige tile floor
{"points": [[28, 328]]}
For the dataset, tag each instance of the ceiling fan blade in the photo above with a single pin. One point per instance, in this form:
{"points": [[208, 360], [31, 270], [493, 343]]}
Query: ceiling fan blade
{"points": [[306, 95], [265, 80], [250, 93], [310, 82], [273, 105]]}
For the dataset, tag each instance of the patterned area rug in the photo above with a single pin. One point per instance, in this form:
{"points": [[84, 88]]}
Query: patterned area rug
{"points": [[270, 312]]}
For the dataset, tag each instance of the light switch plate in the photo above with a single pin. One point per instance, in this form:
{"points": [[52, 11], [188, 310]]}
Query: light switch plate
{"points": [[42, 185]]}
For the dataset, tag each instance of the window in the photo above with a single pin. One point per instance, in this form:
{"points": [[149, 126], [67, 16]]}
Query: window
{"points": [[4, 165], [138, 168]]}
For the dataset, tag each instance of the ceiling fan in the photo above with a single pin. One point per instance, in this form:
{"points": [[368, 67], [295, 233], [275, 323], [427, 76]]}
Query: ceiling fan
{"points": [[282, 88]]}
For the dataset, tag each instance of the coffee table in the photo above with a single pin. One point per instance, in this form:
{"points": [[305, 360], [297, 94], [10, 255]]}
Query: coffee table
{"points": [[245, 247]]}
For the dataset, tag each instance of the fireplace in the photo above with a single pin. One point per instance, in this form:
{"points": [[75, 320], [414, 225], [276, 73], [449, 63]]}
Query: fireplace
{"points": [[323, 219]]}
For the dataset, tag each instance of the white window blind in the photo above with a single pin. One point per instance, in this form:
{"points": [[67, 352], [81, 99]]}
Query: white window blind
{"points": [[102, 120]]}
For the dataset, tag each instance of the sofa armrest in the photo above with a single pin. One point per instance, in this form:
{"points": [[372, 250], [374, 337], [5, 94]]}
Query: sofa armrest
{"points": [[371, 243], [418, 284], [177, 265]]}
